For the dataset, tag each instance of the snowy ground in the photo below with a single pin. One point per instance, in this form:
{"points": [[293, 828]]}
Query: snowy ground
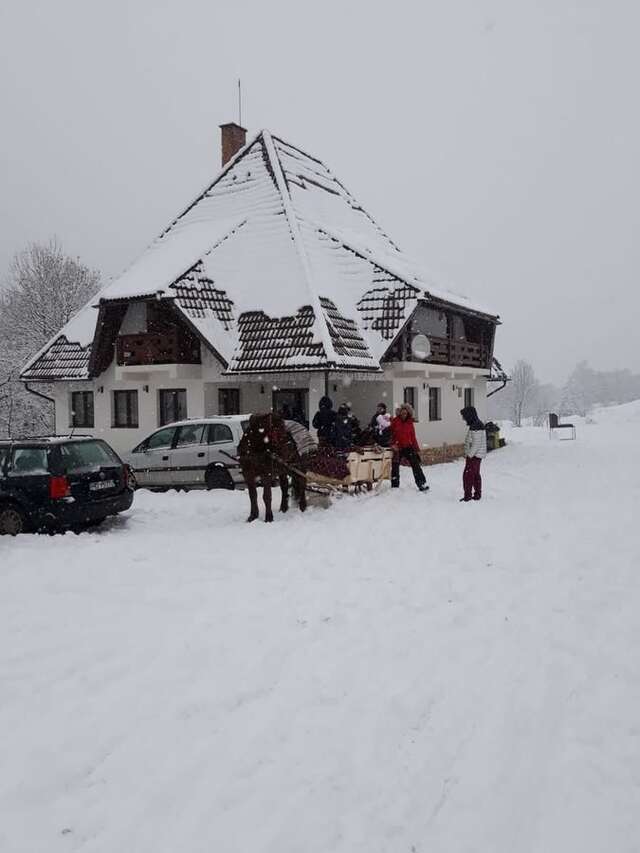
{"points": [[397, 673]]}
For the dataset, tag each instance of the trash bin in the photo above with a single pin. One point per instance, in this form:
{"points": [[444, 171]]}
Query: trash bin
{"points": [[493, 436]]}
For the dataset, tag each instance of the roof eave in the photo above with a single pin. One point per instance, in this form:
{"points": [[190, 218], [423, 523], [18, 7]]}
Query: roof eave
{"points": [[328, 368], [457, 306]]}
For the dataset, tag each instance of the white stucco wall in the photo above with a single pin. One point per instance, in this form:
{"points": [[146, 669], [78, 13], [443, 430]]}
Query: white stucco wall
{"points": [[202, 382], [450, 429], [147, 382]]}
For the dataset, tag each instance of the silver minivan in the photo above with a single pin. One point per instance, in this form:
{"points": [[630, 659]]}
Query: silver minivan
{"points": [[190, 455]]}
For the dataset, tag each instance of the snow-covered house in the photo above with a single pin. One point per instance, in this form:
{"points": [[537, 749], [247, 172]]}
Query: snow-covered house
{"points": [[273, 286]]}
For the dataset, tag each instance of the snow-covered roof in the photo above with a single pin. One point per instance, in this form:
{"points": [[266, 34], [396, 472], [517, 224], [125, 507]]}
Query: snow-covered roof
{"points": [[276, 266]]}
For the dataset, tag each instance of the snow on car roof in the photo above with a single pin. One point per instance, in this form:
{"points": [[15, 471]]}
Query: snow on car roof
{"points": [[49, 439]]}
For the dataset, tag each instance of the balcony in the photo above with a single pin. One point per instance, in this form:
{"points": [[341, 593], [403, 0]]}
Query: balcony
{"points": [[449, 351], [172, 346], [458, 353]]}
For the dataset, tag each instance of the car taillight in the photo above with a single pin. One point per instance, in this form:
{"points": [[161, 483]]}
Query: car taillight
{"points": [[59, 488]]}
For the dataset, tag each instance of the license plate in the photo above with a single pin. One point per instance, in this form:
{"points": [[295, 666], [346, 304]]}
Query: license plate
{"points": [[103, 484]]}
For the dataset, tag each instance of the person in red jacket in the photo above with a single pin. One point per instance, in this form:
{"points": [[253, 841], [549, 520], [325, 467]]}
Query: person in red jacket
{"points": [[405, 446]]}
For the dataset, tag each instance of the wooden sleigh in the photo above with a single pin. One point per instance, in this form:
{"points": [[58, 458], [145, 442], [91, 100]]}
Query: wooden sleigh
{"points": [[369, 468]]}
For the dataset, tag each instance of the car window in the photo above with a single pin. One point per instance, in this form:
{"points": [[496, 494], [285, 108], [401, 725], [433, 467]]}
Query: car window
{"points": [[189, 434], [244, 425], [219, 432], [162, 438], [29, 460], [86, 454]]}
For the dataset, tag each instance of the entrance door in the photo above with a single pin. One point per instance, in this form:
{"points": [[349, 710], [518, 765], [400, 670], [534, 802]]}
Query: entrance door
{"points": [[293, 403]]}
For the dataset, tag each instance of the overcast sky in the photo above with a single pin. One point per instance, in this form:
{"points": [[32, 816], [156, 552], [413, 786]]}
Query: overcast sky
{"points": [[495, 140]]}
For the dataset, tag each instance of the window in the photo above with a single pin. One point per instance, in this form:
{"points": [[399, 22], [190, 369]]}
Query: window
{"points": [[86, 454], [162, 438], [82, 409], [292, 404], [29, 460], [228, 401], [468, 397], [191, 434], [173, 405], [435, 407], [409, 397], [218, 433], [125, 409]]}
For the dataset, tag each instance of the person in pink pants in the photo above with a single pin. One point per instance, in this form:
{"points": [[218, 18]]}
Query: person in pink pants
{"points": [[475, 449]]}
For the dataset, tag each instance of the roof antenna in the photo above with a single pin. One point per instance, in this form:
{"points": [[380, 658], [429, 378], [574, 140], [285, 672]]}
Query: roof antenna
{"points": [[239, 103]]}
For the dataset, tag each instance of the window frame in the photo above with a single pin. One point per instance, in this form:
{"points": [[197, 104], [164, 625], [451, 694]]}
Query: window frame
{"points": [[39, 472], [410, 398], [197, 425], [213, 426], [132, 394], [83, 422], [435, 403], [69, 466], [169, 446], [5, 453], [224, 395], [162, 392]]}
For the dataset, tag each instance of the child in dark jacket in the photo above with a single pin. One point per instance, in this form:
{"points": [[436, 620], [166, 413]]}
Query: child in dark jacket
{"points": [[405, 446], [343, 434], [475, 449]]}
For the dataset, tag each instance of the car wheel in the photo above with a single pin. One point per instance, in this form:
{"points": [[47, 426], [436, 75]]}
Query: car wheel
{"points": [[218, 477], [12, 520]]}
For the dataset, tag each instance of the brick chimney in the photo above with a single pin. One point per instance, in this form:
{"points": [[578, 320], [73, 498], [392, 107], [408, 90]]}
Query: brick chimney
{"points": [[234, 138]]}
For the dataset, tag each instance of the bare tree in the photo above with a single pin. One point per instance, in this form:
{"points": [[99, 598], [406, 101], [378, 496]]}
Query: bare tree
{"points": [[42, 292], [523, 389], [545, 400]]}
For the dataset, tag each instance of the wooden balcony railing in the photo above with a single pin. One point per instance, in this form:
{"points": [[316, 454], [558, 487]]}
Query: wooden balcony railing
{"points": [[169, 347], [460, 353], [449, 351]]}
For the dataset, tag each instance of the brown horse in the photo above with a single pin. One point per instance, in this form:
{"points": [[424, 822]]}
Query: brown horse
{"points": [[268, 453]]}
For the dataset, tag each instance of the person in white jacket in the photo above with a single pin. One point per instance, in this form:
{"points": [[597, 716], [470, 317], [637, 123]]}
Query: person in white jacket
{"points": [[475, 449]]}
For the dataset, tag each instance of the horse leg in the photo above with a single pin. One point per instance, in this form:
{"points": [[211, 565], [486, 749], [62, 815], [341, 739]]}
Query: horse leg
{"points": [[301, 492], [266, 497], [284, 488], [253, 497]]}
